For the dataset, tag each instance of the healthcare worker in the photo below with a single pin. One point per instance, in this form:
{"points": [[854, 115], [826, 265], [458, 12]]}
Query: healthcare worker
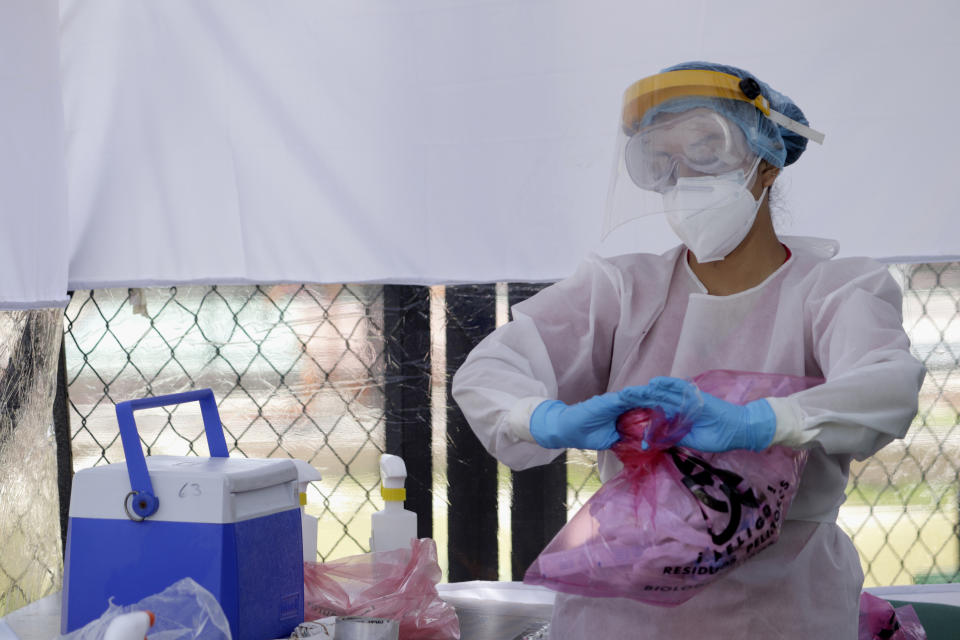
{"points": [[702, 144]]}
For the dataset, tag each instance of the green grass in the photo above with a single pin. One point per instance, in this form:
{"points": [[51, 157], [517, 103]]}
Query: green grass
{"points": [[937, 577], [915, 494]]}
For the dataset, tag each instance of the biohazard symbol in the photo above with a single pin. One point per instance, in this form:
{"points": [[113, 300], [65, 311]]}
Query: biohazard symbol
{"points": [[717, 490]]}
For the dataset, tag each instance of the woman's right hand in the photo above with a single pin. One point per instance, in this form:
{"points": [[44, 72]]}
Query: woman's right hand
{"points": [[591, 424]]}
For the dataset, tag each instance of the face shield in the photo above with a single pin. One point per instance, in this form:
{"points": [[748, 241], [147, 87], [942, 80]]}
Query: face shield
{"points": [[694, 130]]}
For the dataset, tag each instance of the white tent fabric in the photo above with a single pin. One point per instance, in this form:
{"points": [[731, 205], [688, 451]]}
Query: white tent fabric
{"points": [[33, 200], [444, 141]]}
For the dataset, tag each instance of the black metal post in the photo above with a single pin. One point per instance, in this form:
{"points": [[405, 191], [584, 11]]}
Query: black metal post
{"points": [[471, 471], [63, 435], [538, 508], [406, 311]]}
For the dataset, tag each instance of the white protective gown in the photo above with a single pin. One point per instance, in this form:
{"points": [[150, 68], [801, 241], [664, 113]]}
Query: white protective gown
{"points": [[622, 321]]}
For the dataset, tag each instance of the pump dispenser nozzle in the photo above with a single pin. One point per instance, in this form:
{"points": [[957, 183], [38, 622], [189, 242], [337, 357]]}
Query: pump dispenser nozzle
{"points": [[393, 475]]}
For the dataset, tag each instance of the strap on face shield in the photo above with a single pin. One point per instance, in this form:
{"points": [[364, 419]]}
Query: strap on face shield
{"points": [[649, 92], [751, 89]]}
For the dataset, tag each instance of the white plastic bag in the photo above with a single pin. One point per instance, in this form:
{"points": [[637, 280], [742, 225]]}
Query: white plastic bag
{"points": [[184, 611]]}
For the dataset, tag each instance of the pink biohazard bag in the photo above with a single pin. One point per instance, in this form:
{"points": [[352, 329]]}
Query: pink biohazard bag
{"points": [[400, 585], [880, 621], [675, 519]]}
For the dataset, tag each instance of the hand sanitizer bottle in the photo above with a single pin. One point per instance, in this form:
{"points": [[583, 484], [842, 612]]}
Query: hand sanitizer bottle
{"points": [[394, 527], [305, 475]]}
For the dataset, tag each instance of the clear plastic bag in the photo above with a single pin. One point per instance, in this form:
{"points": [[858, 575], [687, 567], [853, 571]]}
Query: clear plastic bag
{"points": [[183, 611], [880, 621], [674, 520], [400, 585]]}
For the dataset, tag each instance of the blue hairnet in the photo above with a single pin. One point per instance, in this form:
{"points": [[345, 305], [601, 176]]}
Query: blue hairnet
{"points": [[778, 146]]}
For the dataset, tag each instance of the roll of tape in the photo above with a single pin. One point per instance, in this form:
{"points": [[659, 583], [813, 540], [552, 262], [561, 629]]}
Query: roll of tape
{"points": [[358, 628]]}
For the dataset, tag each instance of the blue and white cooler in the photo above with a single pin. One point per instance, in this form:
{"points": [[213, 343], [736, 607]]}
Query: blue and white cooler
{"points": [[231, 524]]}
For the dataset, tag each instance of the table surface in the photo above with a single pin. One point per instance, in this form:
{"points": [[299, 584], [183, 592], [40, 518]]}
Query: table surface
{"points": [[487, 610], [932, 593]]}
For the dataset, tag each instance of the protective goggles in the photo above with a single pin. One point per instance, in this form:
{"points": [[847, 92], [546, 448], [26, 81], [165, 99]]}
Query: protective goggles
{"points": [[693, 143]]}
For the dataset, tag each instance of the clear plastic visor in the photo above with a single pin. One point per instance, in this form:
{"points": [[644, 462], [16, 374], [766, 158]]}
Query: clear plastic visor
{"points": [[699, 143]]}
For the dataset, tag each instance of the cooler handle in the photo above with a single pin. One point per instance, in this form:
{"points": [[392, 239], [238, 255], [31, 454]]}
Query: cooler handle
{"points": [[145, 503]]}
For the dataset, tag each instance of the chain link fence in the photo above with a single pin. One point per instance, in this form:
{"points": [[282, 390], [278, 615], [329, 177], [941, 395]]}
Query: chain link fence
{"points": [[299, 371], [901, 508]]}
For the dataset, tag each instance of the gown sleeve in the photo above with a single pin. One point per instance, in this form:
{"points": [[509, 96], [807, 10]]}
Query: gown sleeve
{"points": [[855, 327], [558, 346]]}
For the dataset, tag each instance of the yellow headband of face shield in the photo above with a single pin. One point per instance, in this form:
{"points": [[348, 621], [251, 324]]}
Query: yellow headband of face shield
{"points": [[645, 94]]}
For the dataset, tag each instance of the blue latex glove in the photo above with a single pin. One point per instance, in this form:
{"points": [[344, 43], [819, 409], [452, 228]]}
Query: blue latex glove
{"points": [[591, 424], [717, 425]]}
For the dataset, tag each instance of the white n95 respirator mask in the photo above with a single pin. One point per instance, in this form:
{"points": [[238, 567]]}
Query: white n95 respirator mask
{"points": [[711, 214]]}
